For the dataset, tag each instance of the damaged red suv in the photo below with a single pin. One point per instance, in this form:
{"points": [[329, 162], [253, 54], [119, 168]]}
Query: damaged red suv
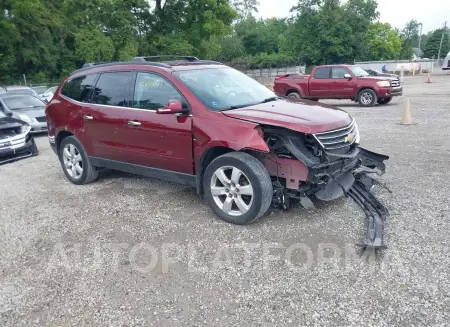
{"points": [[202, 123]]}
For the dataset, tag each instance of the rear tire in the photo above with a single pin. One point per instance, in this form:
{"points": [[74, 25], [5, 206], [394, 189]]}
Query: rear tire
{"points": [[238, 188], [75, 162], [384, 100], [367, 98], [294, 95]]}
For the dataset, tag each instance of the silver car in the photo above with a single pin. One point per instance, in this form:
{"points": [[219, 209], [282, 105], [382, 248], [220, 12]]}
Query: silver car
{"points": [[26, 108]]}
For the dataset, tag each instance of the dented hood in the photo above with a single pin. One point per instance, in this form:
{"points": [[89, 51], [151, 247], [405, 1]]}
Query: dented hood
{"points": [[303, 116]]}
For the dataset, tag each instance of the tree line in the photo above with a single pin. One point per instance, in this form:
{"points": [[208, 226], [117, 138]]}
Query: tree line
{"points": [[47, 39]]}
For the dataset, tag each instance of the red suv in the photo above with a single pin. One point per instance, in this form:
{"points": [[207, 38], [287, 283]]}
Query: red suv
{"points": [[205, 124]]}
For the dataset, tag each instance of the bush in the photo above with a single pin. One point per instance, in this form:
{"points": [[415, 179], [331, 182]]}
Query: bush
{"points": [[264, 60]]}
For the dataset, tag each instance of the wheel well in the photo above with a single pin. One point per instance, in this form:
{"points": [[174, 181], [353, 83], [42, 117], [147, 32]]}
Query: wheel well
{"points": [[292, 91], [362, 89], [60, 137], [206, 159]]}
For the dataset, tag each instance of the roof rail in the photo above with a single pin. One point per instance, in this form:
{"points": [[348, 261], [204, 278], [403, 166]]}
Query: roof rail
{"points": [[150, 58]]}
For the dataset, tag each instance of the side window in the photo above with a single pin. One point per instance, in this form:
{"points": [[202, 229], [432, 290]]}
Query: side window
{"points": [[322, 73], [79, 88], [338, 72], [153, 91], [113, 89]]}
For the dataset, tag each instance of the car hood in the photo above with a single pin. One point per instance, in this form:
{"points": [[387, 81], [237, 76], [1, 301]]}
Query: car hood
{"points": [[30, 112], [10, 123], [302, 116], [378, 78]]}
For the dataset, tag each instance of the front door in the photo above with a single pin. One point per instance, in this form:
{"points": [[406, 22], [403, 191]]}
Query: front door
{"points": [[342, 87], [319, 84], [162, 141]]}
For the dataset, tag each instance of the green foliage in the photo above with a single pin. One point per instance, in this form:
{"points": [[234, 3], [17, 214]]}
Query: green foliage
{"points": [[384, 43], [47, 39], [432, 45]]}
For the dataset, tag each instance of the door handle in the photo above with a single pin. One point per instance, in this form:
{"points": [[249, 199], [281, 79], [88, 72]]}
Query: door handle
{"points": [[134, 123], [88, 117]]}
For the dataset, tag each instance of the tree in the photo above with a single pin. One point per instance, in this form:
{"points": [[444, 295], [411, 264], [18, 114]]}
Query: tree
{"points": [[328, 31], [432, 46], [384, 42], [410, 36]]}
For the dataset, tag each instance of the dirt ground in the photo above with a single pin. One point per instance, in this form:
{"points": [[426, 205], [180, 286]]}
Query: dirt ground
{"points": [[133, 251]]}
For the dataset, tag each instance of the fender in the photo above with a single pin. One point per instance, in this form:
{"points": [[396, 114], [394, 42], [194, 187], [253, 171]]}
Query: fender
{"points": [[237, 135]]}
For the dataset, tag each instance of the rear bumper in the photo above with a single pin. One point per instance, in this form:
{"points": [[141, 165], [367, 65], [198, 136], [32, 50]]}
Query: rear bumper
{"points": [[38, 127], [28, 149]]}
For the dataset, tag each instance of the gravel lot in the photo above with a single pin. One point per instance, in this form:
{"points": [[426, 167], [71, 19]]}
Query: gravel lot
{"points": [[100, 255]]}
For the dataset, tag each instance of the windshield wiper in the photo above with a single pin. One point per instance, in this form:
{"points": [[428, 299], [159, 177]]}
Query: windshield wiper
{"points": [[270, 99], [237, 107]]}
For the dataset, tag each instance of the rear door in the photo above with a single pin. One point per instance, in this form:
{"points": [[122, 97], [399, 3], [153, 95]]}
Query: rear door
{"points": [[161, 141], [320, 83], [341, 87], [105, 117]]}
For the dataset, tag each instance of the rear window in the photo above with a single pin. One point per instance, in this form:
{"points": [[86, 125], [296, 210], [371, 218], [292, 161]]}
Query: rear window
{"points": [[113, 89], [79, 88], [321, 73]]}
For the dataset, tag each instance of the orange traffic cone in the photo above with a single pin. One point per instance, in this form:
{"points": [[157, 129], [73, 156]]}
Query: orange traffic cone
{"points": [[428, 81], [407, 118]]}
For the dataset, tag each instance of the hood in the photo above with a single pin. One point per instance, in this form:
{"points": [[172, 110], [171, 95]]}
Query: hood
{"points": [[30, 112], [379, 78], [302, 116], [10, 123]]}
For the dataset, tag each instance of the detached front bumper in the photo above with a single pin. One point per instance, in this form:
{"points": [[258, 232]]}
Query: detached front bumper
{"points": [[14, 151]]}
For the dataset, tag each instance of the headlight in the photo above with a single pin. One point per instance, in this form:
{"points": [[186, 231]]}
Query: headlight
{"points": [[25, 118], [25, 129], [357, 137], [384, 83]]}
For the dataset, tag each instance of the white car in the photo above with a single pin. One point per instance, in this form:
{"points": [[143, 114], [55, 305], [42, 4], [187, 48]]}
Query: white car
{"points": [[48, 95]]}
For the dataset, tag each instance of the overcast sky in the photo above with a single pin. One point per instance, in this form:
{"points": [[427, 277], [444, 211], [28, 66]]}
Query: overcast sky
{"points": [[432, 13]]}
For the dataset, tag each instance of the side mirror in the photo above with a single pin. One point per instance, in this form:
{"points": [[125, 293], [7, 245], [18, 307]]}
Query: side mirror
{"points": [[173, 107], [348, 76], [9, 113]]}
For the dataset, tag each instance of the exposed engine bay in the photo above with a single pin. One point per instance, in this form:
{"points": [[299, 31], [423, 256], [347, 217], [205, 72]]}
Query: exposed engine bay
{"points": [[326, 166]]}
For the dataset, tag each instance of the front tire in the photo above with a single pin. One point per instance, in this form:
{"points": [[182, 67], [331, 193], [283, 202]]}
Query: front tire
{"points": [[238, 188], [367, 98], [75, 162], [384, 100]]}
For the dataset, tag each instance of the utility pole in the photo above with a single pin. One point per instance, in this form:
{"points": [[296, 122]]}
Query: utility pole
{"points": [[420, 40], [442, 39]]}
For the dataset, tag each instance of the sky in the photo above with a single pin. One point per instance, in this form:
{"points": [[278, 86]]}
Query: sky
{"points": [[431, 13]]}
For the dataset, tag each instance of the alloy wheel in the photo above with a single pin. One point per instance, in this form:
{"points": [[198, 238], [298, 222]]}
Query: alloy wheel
{"points": [[232, 190], [73, 162], [366, 98]]}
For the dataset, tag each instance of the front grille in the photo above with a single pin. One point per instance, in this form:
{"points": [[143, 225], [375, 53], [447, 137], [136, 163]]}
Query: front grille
{"points": [[338, 138], [395, 83], [41, 119]]}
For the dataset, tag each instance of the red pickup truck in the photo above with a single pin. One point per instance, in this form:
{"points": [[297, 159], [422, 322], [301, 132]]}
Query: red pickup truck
{"points": [[339, 82]]}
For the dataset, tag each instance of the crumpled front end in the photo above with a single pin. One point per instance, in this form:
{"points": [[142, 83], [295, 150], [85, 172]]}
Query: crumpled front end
{"points": [[326, 166]]}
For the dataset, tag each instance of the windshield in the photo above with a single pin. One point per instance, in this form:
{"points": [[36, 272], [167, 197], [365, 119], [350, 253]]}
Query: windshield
{"points": [[358, 71], [224, 88], [21, 102], [22, 91]]}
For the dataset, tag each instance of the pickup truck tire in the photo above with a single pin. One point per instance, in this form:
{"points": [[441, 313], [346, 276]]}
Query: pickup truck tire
{"points": [[238, 188], [384, 100], [294, 95], [367, 98]]}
